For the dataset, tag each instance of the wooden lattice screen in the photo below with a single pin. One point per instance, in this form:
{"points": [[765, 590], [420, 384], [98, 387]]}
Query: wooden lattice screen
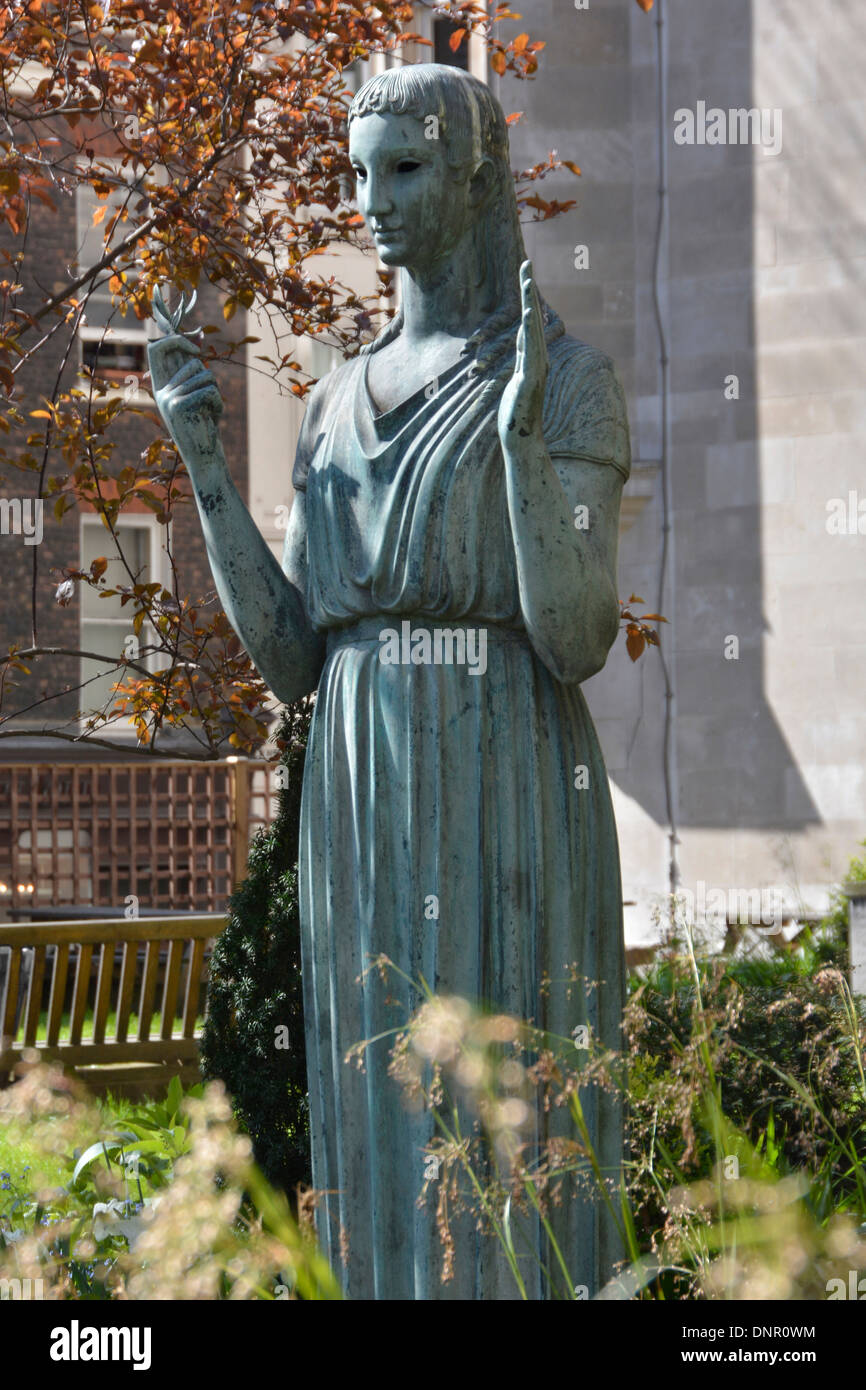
{"points": [[173, 834]]}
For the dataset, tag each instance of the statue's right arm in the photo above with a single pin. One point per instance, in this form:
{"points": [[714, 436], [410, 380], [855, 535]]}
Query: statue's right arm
{"points": [[266, 605]]}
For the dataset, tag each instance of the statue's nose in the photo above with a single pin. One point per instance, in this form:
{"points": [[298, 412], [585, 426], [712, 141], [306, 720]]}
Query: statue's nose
{"points": [[379, 200]]}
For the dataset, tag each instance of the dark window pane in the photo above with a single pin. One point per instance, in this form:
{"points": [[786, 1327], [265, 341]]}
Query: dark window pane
{"points": [[442, 31], [112, 357]]}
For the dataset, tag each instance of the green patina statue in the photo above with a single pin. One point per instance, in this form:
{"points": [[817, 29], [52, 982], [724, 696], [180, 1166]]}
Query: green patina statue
{"points": [[438, 594]]}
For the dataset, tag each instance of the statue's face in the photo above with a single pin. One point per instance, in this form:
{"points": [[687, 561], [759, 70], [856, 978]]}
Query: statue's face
{"points": [[415, 208]]}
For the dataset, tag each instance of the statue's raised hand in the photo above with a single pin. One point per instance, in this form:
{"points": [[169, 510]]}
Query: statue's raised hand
{"points": [[185, 391], [523, 398]]}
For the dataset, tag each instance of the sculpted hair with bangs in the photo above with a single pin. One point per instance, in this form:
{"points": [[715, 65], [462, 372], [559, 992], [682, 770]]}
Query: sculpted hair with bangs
{"points": [[471, 124]]}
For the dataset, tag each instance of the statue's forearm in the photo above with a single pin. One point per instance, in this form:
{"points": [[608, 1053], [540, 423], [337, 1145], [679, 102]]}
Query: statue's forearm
{"points": [[567, 599], [266, 610]]}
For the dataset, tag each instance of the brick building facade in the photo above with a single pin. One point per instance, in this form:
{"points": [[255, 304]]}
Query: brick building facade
{"points": [[52, 252]]}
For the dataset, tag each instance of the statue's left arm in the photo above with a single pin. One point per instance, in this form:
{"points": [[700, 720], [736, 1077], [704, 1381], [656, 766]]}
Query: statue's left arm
{"points": [[565, 556]]}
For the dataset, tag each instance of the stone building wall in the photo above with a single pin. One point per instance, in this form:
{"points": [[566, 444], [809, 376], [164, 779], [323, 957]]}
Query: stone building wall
{"points": [[761, 270]]}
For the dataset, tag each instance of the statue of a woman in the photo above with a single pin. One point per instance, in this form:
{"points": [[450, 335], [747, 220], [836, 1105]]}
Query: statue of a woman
{"points": [[457, 482]]}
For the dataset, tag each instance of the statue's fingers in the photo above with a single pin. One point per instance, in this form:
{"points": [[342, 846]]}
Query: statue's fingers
{"points": [[539, 342], [533, 334], [164, 354], [528, 287], [531, 302], [188, 371], [527, 303], [174, 341], [204, 380], [206, 396], [520, 346]]}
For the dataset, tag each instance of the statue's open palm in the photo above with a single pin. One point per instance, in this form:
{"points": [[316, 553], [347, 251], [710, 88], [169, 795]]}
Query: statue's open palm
{"points": [[523, 398]]}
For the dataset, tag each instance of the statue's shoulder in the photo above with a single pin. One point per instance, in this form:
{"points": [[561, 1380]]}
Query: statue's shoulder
{"points": [[571, 357], [321, 397], [585, 412], [329, 389], [330, 386]]}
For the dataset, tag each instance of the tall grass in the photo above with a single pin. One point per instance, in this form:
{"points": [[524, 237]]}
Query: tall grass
{"points": [[744, 1087], [746, 1099]]}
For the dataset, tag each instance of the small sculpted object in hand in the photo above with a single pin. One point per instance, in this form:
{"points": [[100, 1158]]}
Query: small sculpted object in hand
{"points": [[456, 817], [185, 391]]}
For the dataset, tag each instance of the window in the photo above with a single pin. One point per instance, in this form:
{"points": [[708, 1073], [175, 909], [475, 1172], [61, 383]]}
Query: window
{"points": [[442, 52], [113, 347], [105, 625]]}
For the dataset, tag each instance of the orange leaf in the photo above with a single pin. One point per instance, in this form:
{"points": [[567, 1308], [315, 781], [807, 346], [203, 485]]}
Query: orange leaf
{"points": [[635, 643], [570, 164], [520, 43], [646, 5], [98, 567], [456, 39], [498, 62], [99, 214]]}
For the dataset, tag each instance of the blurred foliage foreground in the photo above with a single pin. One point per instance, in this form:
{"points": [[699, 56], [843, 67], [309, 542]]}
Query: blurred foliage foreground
{"points": [[746, 1112]]}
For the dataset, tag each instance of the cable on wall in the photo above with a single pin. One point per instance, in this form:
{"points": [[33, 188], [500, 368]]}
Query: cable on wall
{"points": [[669, 751]]}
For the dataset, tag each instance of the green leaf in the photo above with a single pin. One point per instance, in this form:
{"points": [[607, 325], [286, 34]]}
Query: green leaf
{"points": [[97, 1150], [174, 1096], [139, 1127]]}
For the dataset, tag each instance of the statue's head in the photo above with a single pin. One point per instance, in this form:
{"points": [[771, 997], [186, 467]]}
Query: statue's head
{"points": [[429, 146]]}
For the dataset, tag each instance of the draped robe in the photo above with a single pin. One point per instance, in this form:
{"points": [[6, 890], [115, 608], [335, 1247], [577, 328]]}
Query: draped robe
{"points": [[433, 785]]}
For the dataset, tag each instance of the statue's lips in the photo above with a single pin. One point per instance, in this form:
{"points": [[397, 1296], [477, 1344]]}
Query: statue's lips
{"points": [[386, 231]]}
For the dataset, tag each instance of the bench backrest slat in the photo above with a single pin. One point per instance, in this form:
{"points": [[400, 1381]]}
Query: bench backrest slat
{"points": [[58, 994], [103, 990], [34, 997], [80, 991], [127, 984], [10, 1004], [193, 985], [148, 990]]}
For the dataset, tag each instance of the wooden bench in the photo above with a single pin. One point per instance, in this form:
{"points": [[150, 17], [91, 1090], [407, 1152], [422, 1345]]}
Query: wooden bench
{"points": [[165, 956]]}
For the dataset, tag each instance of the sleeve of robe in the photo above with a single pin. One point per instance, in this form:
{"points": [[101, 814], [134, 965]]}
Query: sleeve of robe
{"points": [[584, 407]]}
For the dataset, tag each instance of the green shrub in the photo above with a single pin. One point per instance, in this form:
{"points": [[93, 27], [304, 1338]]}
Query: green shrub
{"points": [[786, 1044], [254, 992], [744, 1177]]}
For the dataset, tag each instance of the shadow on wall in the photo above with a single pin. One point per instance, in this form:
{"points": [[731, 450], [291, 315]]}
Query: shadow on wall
{"points": [[735, 767]]}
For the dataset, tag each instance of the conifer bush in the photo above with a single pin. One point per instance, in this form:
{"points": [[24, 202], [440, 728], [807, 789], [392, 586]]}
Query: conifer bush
{"points": [[254, 1032]]}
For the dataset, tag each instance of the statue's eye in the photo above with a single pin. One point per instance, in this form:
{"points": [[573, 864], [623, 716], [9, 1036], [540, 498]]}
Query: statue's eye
{"points": [[359, 171], [407, 166]]}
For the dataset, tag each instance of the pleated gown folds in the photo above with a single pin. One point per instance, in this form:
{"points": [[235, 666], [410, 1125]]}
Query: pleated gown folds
{"points": [[439, 783]]}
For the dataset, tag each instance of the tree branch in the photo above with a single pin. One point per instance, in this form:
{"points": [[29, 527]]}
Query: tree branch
{"points": [[116, 662], [210, 756]]}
